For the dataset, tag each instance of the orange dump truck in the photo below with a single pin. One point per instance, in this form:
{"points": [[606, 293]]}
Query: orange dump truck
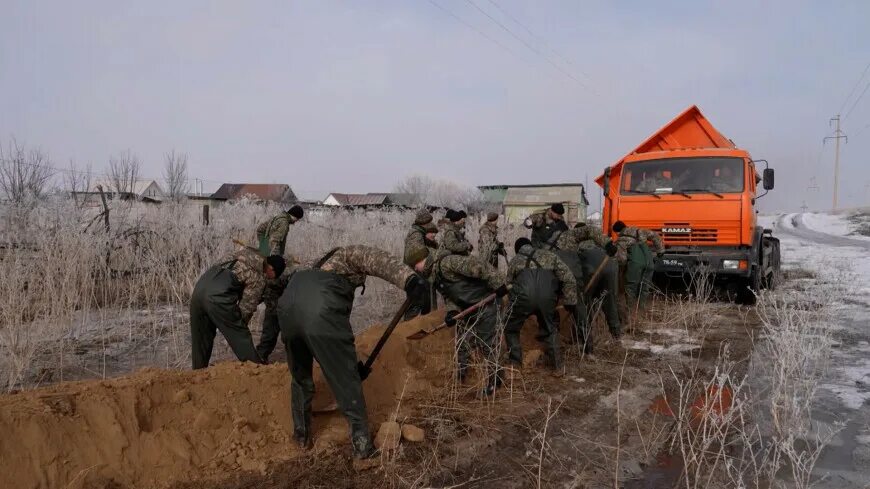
{"points": [[697, 189]]}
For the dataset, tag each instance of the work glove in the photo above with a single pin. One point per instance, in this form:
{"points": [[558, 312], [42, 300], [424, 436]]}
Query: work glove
{"points": [[501, 291], [610, 248], [450, 319]]}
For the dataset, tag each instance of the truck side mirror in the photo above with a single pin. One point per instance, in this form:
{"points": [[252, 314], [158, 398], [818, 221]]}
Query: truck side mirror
{"points": [[767, 179], [606, 183]]}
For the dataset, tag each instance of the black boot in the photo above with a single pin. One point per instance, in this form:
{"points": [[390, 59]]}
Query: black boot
{"points": [[302, 438], [363, 447]]}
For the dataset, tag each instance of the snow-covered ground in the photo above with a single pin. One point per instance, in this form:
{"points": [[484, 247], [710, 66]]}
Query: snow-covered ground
{"points": [[829, 246]]}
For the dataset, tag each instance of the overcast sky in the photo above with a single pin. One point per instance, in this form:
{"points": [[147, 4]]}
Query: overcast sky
{"points": [[350, 95]]}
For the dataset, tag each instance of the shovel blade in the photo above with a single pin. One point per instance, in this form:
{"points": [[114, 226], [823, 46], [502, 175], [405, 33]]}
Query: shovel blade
{"points": [[363, 370]]}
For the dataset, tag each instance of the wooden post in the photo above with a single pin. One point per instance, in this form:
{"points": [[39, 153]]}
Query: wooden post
{"points": [[205, 214], [105, 207]]}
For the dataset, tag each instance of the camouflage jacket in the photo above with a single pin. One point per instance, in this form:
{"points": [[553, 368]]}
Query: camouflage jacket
{"points": [[581, 238], [275, 230], [487, 243], [454, 240], [356, 262], [631, 235], [548, 261], [415, 239], [454, 268], [248, 269], [544, 229]]}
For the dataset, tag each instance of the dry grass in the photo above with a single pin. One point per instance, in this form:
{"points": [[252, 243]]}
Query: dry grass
{"points": [[73, 290]]}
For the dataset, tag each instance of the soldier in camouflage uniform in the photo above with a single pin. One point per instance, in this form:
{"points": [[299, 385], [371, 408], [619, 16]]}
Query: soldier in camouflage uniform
{"points": [[636, 260], [272, 239], [488, 245], [583, 237], [272, 233], [314, 314], [538, 276], [453, 238], [421, 235], [225, 297], [464, 281], [546, 226]]}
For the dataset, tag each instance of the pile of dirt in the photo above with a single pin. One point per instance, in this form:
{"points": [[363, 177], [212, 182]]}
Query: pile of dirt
{"points": [[156, 427]]}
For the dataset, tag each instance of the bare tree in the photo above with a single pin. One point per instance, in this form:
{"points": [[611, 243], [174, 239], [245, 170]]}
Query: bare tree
{"points": [[175, 175], [441, 193], [24, 174], [77, 181], [124, 172], [420, 186]]}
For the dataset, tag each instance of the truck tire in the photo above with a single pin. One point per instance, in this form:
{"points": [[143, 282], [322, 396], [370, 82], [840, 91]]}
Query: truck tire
{"points": [[749, 287], [774, 277]]}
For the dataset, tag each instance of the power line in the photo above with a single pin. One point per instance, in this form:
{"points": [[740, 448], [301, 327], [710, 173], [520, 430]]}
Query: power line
{"points": [[531, 48], [857, 100], [475, 29], [537, 37], [857, 84]]}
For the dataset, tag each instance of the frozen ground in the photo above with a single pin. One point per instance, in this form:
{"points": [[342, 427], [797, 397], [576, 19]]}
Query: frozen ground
{"points": [[832, 248]]}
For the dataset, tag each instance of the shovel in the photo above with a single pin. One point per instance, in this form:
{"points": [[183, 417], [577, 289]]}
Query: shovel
{"points": [[596, 275], [366, 368], [419, 335]]}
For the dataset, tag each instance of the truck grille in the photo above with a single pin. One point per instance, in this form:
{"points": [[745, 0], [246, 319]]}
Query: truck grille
{"points": [[675, 233]]}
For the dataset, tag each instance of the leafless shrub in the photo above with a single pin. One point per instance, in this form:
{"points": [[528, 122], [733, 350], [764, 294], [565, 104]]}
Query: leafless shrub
{"points": [[24, 173]]}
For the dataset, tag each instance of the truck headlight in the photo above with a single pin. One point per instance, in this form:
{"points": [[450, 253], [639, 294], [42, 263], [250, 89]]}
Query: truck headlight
{"points": [[734, 264]]}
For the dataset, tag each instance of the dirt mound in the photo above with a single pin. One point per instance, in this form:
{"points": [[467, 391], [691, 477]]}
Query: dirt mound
{"points": [[155, 427]]}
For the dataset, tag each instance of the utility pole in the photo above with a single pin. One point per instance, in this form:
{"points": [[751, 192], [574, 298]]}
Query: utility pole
{"points": [[838, 134]]}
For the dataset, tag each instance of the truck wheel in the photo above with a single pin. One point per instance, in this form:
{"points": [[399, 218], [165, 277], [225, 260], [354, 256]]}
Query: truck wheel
{"points": [[749, 287], [773, 279]]}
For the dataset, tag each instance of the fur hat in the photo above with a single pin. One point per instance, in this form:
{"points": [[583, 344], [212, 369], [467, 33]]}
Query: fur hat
{"points": [[558, 208], [491, 216]]}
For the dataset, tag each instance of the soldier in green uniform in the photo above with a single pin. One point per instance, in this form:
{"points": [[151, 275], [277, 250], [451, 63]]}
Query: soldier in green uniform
{"points": [[272, 233], [582, 237], [488, 245], [314, 315], [421, 235], [537, 277], [636, 259], [224, 298], [547, 226], [464, 281], [453, 238], [605, 289], [272, 240]]}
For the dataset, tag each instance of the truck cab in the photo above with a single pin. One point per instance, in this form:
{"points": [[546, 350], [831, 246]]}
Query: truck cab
{"points": [[698, 190]]}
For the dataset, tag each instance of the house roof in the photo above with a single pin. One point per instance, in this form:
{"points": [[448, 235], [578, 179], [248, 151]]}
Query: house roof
{"points": [[407, 200], [544, 194], [539, 185], [360, 199], [139, 186], [276, 192]]}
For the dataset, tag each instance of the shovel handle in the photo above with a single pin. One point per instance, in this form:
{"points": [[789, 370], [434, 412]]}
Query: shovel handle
{"points": [[596, 275]]}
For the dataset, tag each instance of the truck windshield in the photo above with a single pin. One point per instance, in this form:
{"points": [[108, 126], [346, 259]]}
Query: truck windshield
{"points": [[683, 175]]}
